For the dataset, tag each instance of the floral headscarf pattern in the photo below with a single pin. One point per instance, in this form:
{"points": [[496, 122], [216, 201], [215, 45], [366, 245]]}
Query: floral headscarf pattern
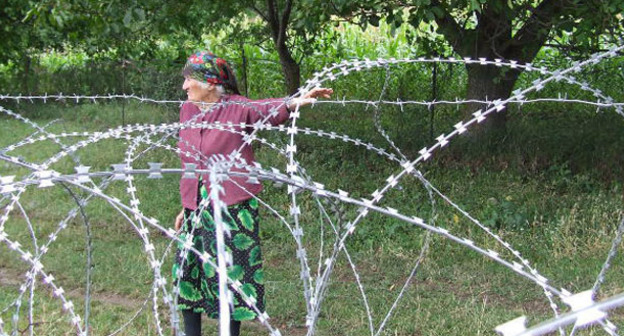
{"points": [[204, 66]]}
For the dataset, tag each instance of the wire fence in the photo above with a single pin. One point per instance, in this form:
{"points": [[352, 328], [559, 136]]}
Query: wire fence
{"points": [[582, 308]]}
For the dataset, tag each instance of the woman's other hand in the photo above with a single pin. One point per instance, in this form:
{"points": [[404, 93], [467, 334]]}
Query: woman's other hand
{"points": [[178, 221]]}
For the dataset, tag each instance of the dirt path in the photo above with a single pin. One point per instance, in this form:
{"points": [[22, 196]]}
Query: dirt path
{"points": [[12, 278]]}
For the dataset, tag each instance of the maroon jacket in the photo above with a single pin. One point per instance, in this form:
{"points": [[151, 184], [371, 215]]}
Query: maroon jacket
{"points": [[212, 142]]}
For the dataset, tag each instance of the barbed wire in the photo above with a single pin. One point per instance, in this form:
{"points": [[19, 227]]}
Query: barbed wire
{"points": [[222, 168]]}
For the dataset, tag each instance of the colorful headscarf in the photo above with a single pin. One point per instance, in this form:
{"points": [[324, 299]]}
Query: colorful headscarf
{"points": [[204, 66]]}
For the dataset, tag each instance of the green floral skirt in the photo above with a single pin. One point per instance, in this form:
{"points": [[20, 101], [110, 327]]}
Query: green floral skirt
{"points": [[199, 284]]}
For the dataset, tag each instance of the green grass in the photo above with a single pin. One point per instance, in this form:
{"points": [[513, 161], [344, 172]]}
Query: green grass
{"points": [[549, 196]]}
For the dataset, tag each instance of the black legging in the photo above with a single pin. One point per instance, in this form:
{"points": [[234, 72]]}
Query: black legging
{"points": [[192, 324]]}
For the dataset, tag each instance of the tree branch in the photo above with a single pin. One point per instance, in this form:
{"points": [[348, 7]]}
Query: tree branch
{"points": [[259, 12], [577, 49], [272, 19], [450, 29], [283, 27], [535, 31]]}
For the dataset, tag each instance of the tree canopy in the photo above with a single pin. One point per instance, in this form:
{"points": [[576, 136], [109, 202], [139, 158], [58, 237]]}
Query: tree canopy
{"points": [[511, 30]]}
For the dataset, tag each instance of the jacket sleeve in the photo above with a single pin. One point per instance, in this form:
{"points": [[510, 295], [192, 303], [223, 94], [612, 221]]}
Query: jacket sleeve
{"points": [[275, 109]]}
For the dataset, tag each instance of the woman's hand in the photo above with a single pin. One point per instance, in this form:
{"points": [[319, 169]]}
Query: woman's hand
{"points": [[310, 97], [319, 92], [178, 221]]}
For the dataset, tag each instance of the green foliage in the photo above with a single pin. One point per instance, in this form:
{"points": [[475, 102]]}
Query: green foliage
{"points": [[131, 28], [19, 39]]}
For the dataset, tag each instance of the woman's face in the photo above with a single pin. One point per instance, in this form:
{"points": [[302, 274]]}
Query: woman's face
{"points": [[195, 91]]}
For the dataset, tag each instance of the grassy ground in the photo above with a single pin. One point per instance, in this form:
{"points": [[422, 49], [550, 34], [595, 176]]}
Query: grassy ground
{"points": [[557, 199]]}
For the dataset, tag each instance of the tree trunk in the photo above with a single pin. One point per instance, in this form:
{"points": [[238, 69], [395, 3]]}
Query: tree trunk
{"points": [[496, 36], [489, 83], [278, 23], [290, 68]]}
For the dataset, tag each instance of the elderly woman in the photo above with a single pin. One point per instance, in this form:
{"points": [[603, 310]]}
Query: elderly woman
{"points": [[213, 97]]}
